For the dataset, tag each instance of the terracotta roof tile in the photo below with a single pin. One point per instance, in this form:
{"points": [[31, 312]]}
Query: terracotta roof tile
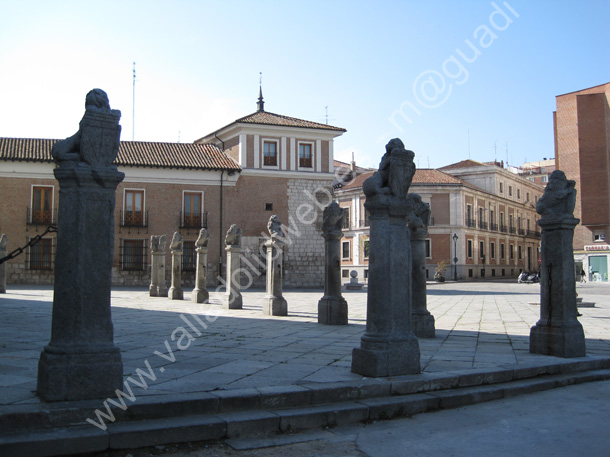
{"points": [[424, 176], [131, 154], [463, 164], [265, 118]]}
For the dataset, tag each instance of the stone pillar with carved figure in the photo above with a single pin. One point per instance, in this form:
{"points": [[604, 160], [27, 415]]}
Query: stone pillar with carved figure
{"points": [[389, 347]]}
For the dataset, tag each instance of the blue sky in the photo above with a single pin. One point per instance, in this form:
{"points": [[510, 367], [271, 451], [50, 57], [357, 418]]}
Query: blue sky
{"points": [[452, 79]]}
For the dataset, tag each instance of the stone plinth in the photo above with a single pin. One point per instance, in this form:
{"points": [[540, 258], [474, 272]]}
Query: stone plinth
{"points": [[332, 307], [422, 320], [389, 347], [274, 303], [558, 331], [3, 243], [233, 298], [81, 360], [158, 286]]}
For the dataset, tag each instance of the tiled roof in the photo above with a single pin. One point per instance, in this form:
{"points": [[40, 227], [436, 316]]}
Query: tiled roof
{"points": [[131, 154], [265, 118], [424, 176], [463, 164]]}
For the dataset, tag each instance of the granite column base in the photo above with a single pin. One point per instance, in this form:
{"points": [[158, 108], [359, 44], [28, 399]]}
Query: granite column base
{"points": [[332, 310]]}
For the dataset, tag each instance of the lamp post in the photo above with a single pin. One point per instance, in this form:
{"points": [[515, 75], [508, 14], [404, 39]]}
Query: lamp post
{"points": [[455, 259]]}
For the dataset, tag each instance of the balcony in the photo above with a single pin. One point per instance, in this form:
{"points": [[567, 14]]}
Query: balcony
{"points": [[503, 228], [533, 234], [483, 225], [41, 217], [194, 221], [522, 232], [512, 230], [493, 227], [134, 219], [471, 223]]}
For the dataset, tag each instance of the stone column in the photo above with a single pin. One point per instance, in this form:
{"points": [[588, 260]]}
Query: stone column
{"points": [[332, 307], [558, 331], [274, 302], [233, 298], [81, 360], [422, 320], [158, 286], [200, 292], [389, 347], [3, 243], [175, 291]]}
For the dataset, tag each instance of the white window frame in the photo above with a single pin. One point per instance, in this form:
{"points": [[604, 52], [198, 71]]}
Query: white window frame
{"points": [[278, 153], [133, 189], [313, 155], [343, 243], [429, 242], [50, 186]]}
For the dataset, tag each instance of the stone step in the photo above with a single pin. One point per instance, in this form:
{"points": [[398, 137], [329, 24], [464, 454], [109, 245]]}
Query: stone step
{"points": [[233, 415]]}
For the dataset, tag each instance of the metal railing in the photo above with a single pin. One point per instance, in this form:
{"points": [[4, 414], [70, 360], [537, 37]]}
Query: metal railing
{"points": [[194, 221], [41, 217], [134, 218]]}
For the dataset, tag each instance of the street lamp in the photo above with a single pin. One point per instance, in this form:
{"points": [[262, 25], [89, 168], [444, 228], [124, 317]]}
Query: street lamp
{"points": [[455, 259]]}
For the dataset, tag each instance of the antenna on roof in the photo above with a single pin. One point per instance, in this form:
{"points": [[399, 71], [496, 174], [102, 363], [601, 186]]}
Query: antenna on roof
{"points": [[133, 105]]}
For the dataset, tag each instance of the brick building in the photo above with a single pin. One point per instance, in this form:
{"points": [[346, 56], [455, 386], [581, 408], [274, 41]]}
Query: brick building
{"points": [[491, 210], [259, 165], [582, 152]]}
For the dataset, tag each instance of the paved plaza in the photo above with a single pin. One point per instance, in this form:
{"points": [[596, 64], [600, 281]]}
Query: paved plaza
{"points": [[186, 347]]}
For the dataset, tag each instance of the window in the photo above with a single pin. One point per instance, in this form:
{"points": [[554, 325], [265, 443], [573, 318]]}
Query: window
{"points": [[192, 210], [270, 153], [345, 250], [41, 255], [599, 236], [512, 252], [305, 155], [519, 255], [482, 249], [518, 193], [189, 256], [367, 218], [365, 249], [502, 253], [469, 249], [481, 215], [501, 188], [134, 208], [42, 201], [510, 191], [492, 250], [268, 206], [345, 273], [346, 222], [132, 255], [428, 249], [545, 178]]}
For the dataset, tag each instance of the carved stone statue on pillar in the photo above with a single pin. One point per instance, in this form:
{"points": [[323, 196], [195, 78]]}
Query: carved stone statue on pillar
{"points": [[175, 291], [558, 331], [233, 298], [81, 360], [422, 320], [274, 302], [332, 307], [389, 347], [3, 243], [200, 292], [158, 286]]}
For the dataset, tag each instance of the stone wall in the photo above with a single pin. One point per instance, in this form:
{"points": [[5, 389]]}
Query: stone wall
{"points": [[304, 253]]}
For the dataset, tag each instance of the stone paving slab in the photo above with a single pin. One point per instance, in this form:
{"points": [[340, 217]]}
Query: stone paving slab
{"points": [[191, 347]]}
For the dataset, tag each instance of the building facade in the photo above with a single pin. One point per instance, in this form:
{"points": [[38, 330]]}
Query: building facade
{"points": [[481, 214], [582, 152], [257, 166]]}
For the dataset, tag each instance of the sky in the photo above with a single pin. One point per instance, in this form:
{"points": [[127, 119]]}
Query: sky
{"points": [[453, 79]]}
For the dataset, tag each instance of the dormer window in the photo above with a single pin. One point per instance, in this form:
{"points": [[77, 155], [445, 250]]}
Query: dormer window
{"points": [[270, 153]]}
